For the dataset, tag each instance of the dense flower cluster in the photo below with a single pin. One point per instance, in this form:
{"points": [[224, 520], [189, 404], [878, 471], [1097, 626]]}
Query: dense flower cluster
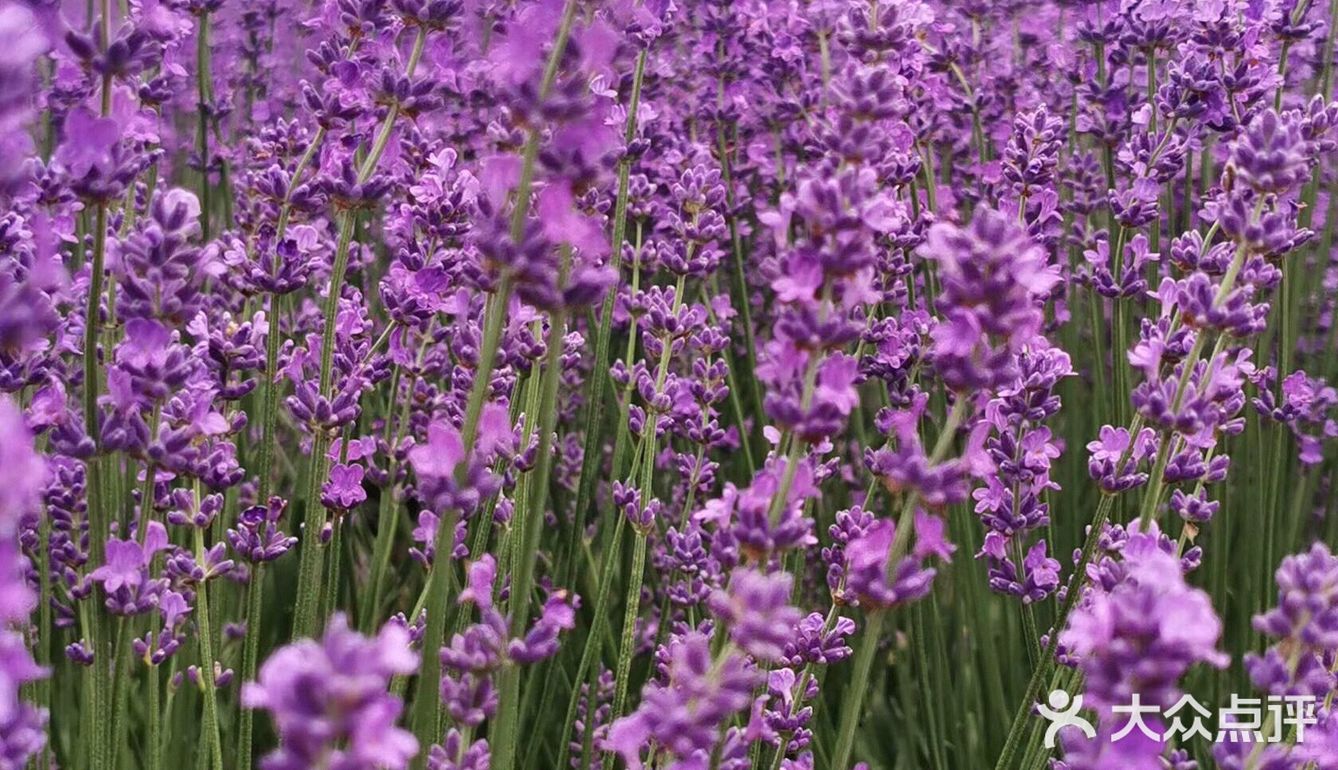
{"points": [[21, 724], [664, 384]]}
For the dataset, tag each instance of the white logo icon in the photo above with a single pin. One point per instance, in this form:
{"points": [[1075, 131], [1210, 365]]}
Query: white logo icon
{"points": [[1063, 712]]}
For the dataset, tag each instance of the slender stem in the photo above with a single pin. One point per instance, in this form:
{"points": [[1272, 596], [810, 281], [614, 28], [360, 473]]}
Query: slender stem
{"points": [[332, 565], [269, 388], [1295, 17], [92, 330], [598, 384], [311, 559], [269, 397], [1121, 372], [250, 659], [531, 527], [153, 739], [120, 688], [1017, 730], [739, 281], [386, 512], [593, 641], [627, 645], [99, 673], [209, 731], [1152, 497], [1026, 608], [286, 208], [853, 704], [426, 703], [852, 707]]}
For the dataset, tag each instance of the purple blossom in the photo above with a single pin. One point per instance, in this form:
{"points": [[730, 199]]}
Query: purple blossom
{"points": [[993, 276], [755, 609], [329, 702], [1142, 633], [344, 489], [684, 707]]}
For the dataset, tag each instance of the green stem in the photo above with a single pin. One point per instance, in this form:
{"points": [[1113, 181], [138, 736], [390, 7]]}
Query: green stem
{"points": [[1121, 372], [98, 515], [386, 510], [592, 643], [853, 705], [153, 739], [92, 371], [270, 389], [902, 538], [250, 659], [121, 682], [598, 384], [739, 281], [1017, 731], [311, 560], [285, 210], [1153, 496], [209, 731], [627, 645], [332, 565], [531, 527], [1026, 608], [426, 702]]}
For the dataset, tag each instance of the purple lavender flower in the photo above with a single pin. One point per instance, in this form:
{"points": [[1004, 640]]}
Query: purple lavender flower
{"points": [[329, 702], [993, 278], [1141, 631], [22, 40], [22, 726], [344, 489], [257, 537], [1305, 407], [755, 609], [1272, 154], [682, 710], [1307, 610], [867, 558]]}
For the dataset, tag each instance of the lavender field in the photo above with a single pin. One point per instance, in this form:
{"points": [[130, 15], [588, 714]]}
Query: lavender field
{"points": [[668, 384]]}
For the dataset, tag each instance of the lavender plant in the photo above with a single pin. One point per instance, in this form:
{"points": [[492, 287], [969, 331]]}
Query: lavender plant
{"points": [[710, 385]]}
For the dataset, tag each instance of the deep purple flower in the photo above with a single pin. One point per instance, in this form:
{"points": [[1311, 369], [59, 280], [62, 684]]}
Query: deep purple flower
{"points": [[1307, 610], [22, 41], [868, 558], [329, 702], [344, 489], [23, 472], [755, 609], [993, 277], [1272, 155], [257, 537], [683, 709], [1141, 634]]}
